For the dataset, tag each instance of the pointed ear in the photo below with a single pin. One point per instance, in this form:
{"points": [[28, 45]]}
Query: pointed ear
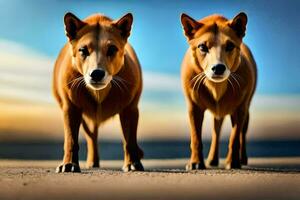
{"points": [[238, 24], [190, 25], [124, 25], [72, 25]]}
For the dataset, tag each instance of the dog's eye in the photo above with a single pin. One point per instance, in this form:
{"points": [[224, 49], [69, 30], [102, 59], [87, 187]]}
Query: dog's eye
{"points": [[84, 51], [111, 51], [203, 48], [229, 46]]}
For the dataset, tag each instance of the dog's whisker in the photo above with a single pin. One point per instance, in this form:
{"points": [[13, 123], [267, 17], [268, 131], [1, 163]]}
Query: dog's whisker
{"points": [[239, 77], [117, 85], [195, 77], [74, 83], [77, 87], [204, 81], [124, 83], [78, 78], [195, 83], [121, 82], [201, 80], [199, 77], [198, 81], [235, 79], [82, 84], [232, 85]]}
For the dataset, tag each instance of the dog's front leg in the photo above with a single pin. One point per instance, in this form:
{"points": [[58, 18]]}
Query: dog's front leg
{"points": [[213, 156], [196, 119], [233, 155], [91, 135], [72, 119], [132, 152]]}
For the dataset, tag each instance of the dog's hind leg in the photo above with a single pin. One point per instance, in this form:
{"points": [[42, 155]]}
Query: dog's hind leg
{"points": [[213, 156], [243, 151], [91, 135]]}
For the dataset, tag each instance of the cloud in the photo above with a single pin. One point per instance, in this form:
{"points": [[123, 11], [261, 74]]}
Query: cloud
{"points": [[25, 74], [282, 103], [15, 56], [161, 82]]}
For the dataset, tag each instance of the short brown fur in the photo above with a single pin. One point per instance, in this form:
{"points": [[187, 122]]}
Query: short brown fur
{"points": [[229, 97], [84, 105]]}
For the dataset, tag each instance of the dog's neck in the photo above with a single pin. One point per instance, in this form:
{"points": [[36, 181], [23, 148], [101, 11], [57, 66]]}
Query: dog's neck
{"points": [[100, 95], [217, 90]]}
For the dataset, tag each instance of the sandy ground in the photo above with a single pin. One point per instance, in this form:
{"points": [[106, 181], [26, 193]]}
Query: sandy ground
{"points": [[264, 178]]}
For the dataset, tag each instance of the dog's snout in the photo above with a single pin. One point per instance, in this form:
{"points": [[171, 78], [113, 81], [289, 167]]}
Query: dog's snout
{"points": [[97, 74], [219, 69]]}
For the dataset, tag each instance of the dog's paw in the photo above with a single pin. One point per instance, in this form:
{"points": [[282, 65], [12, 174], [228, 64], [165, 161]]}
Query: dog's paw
{"points": [[68, 167], [212, 163], [136, 166], [233, 165], [195, 166], [244, 161], [92, 165]]}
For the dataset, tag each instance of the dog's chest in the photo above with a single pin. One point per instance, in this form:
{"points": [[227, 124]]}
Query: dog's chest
{"points": [[99, 109], [220, 107]]}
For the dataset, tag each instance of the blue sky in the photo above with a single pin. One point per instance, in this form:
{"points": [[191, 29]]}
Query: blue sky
{"points": [[32, 34], [272, 34]]}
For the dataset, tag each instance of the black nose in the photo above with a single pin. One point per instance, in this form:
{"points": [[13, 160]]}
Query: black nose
{"points": [[97, 75], [219, 69]]}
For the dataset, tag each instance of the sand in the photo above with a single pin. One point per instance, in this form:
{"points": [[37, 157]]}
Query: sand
{"points": [[264, 178]]}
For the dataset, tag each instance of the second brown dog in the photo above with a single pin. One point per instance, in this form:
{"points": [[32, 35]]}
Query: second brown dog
{"points": [[219, 75]]}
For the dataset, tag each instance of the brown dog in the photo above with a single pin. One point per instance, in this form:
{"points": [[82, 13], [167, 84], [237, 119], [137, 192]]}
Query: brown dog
{"points": [[219, 75], [96, 76]]}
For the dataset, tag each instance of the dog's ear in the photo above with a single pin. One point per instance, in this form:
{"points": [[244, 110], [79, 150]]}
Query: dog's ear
{"points": [[124, 25], [190, 25], [238, 24], [72, 25]]}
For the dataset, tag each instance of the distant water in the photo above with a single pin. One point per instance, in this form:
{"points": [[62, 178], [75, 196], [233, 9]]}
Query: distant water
{"points": [[111, 150]]}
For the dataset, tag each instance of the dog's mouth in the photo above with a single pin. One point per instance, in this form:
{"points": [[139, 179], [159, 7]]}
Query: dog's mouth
{"points": [[98, 85], [217, 78]]}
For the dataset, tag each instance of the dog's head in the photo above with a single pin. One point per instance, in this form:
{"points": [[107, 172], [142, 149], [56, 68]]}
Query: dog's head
{"points": [[98, 46], [215, 42]]}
